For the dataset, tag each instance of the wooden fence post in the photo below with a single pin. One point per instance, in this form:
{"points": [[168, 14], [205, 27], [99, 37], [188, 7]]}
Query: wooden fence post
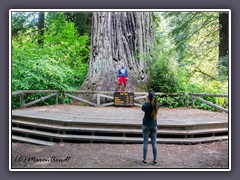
{"points": [[21, 100], [98, 99], [56, 100], [185, 99], [63, 97], [192, 101]]}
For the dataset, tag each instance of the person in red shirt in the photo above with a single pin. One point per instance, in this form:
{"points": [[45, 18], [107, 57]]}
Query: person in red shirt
{"points": [[122, 77]]}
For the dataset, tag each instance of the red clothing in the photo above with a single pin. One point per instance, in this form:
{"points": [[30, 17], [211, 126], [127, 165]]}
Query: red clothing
{"points": [[122, 79]]}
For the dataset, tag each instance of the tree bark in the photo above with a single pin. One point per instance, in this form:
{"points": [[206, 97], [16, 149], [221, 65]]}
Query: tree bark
{"points": [[40, 28], [223, 45], [117, 37]]}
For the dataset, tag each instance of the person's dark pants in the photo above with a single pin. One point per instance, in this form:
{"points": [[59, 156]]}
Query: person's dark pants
{"points": [[153, 135]]}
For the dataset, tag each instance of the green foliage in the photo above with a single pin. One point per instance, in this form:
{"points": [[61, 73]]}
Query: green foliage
{"points": [[41, 74], [82, 20], [163, 76], [23, 23], [187, 57], [171, 102], [61, 64], [196, 39], [67, 46], [215, 87], [164, 70]]}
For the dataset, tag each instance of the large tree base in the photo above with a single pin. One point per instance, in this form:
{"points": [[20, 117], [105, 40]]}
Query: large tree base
{"points": [[120, 37]]}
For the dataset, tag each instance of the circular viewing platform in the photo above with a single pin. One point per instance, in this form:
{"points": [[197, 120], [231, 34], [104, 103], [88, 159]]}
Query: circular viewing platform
{"points": [[73, 123]]}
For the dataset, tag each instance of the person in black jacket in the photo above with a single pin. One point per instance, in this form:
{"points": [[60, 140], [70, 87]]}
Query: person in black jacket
{"points": [[149, 125]]}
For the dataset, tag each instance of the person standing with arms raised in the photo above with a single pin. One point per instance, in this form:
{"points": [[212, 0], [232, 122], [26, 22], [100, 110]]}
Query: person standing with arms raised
{"points": [[149, 126]]}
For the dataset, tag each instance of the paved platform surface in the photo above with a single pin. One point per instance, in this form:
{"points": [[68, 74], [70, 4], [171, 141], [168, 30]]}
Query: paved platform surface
{"points": [[123, 115]]}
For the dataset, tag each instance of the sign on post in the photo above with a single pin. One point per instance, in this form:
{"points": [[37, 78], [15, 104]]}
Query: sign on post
{"points": [[123, 99]]}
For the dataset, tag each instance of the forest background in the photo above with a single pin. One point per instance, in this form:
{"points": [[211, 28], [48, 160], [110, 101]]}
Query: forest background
{"points": [[51, 50]]}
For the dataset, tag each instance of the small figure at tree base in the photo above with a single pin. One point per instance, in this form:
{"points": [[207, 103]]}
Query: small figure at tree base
{"points": [[122, 77]]}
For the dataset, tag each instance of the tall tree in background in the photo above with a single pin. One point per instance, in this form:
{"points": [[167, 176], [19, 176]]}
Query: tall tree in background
{"points": [[24, 24], [83, 21], [223, 44], [126, 37], [196, 39], [40, 28]]}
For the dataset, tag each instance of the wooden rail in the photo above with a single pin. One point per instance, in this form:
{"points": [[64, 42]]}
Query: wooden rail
{"points": [[208, 95], [21, 93], [81, 100], [210, 104], [104, 96], [41, 99], [90, 92], [109, 95], [194, 96]]}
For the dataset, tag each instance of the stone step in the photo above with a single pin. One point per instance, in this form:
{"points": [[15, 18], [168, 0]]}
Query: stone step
{"points": [[31, 140], [117, 130], [116, 139]]}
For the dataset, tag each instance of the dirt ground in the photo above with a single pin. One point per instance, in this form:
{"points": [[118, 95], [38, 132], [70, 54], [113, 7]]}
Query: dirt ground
{"points": [[94, 155]]}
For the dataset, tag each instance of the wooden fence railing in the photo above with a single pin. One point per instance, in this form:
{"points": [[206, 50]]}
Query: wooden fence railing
{"points": [[109, 95], [195, 96], [22, 93]]}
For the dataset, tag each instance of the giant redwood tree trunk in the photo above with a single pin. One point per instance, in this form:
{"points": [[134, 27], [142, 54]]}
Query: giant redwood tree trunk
{"points": [[117, 37]]}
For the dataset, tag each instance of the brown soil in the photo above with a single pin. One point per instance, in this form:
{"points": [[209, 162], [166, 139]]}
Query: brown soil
{"points": [[89, 155]]}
